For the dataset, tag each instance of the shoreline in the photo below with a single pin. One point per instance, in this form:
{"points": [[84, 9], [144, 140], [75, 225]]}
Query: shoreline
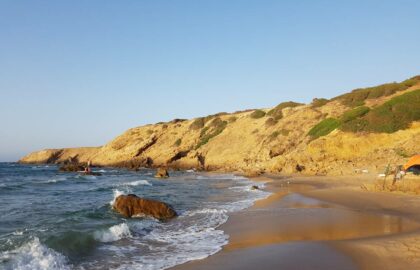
{"points": [[320, 223], [386, 235]]}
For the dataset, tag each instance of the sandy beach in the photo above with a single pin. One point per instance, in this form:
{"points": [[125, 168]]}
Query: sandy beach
{"points": [[321, 223]]}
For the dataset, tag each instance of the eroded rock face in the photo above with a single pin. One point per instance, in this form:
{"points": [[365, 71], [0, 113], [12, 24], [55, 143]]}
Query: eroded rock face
{"points": [[162, 173], [131, 206]]}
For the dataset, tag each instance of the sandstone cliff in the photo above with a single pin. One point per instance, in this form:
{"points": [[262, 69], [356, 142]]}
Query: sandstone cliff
{"points": [[289, 138]]}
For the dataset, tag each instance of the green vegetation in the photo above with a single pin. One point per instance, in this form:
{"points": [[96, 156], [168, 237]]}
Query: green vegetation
{"points": [[319, 102], [277, 114], [271, 122], [395, 114], [324, 127], [178, 142], [257, 114], [354, 113], [199, 123], [212, 130], [357, 97]]}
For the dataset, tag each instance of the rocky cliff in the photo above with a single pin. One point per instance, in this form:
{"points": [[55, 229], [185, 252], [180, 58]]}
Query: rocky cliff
{"points": [[365, 129]]}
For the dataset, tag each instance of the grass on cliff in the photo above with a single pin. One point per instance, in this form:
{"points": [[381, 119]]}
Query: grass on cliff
{"points": [[354, 114], [212, 130], [358, 96], [324, 127], [396, 114], [277, 113]]}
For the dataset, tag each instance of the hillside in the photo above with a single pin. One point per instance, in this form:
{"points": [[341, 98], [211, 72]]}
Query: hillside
{"points": [[364, 129]]}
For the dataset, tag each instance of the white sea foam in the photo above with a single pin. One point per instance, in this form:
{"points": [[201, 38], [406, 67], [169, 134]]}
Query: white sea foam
{"points": [[192, 237], [138, 183], [17, 233], [34, 256], [113, 234], [55, 180], [194, 234]]}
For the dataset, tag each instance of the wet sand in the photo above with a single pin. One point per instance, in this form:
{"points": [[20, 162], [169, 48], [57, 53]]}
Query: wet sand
{"points": [[321, 223]]}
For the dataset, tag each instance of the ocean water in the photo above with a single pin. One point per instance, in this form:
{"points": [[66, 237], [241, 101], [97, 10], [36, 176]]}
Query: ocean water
{"points": [[54, 220]]}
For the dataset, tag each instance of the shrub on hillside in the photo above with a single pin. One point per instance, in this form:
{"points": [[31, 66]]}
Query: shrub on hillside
{"points": [[273, 135], [178, 142], [354, 113], [358, 96], [395, 114], [215, 128], [319, 102], [277, 113], [324, 127], [197, 124], [257, 114]]}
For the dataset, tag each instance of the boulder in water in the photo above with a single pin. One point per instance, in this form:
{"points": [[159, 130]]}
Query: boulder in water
{"points": [[130, 206], [162, 173]]}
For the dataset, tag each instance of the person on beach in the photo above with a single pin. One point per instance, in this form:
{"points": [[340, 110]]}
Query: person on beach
{"points": [[87, 168]]}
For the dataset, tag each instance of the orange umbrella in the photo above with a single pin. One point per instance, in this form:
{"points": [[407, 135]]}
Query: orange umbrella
{"points": [[414, 160]]}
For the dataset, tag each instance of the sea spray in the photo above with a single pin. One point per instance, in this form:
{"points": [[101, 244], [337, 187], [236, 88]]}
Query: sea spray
{"points": [[117, 193]]}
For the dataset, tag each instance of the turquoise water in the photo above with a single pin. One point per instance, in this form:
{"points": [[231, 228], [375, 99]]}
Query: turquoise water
{"points": [[53, 220]]}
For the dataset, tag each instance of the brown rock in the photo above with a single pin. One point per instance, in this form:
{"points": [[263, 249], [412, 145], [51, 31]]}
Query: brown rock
{"points": [[131, 205], [72, 167], [162, 173]]}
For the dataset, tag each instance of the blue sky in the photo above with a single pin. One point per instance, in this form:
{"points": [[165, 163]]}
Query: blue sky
{"points": [[78, 73]]}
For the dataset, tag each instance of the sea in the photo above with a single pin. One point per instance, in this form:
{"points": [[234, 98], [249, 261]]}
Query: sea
{"points": [[55, 220]]}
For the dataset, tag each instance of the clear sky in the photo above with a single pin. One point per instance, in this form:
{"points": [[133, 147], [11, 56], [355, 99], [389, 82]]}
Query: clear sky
{"points": [[78, 73]]}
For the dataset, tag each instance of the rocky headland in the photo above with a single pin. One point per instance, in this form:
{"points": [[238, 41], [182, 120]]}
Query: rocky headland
{"points": [[359, 132]]}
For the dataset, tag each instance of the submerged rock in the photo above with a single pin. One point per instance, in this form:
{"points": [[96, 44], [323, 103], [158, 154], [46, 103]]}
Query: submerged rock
{"points": [[255, 187], [162, 173], [131, 205]]}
